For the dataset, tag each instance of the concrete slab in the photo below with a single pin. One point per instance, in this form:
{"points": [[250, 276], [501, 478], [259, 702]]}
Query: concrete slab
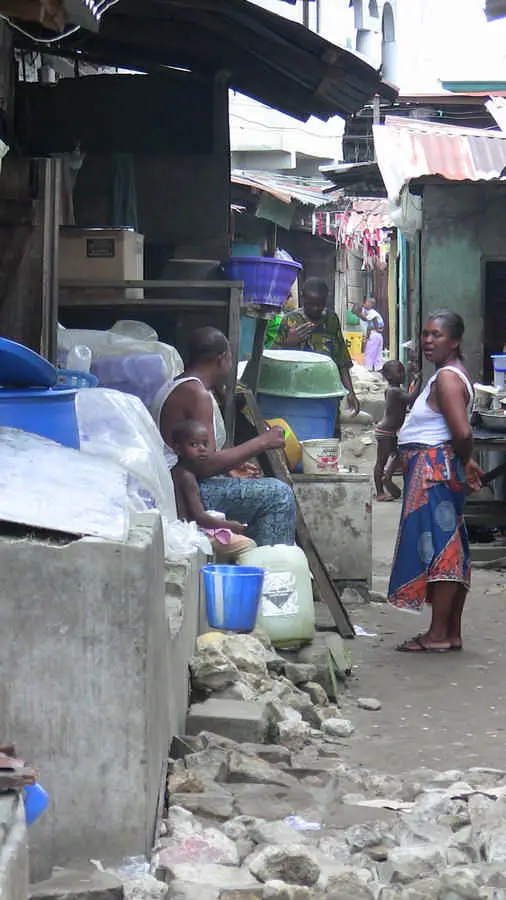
{"points": [[76, 884], [236, 719]]}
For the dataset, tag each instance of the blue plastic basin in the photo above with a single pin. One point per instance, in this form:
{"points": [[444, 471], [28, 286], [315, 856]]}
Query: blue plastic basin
{"points": [[50, 413], [266, 280], [232, 596], [308, 418]]}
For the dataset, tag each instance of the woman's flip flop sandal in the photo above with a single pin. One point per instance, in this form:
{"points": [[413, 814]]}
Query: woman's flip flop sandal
{"points": [[414, 645]]}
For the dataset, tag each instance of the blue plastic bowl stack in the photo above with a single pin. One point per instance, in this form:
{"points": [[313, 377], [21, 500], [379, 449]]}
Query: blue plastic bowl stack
{"points": [[28, 398]]}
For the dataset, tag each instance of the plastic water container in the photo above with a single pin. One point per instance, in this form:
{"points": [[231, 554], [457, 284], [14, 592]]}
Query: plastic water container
{"points": [[50, 413], [266, 280], [499, 362], [79, 358], [232, 596], [286, 610]]}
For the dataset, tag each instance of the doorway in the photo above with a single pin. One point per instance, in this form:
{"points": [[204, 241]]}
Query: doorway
{"points": [[494, 328]]}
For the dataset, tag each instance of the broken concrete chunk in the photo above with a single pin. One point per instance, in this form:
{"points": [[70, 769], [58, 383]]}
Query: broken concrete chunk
{"points": [[207, 846], [316, 693], [211, 875], [234, 719], [211, 669], [294, 864], [341, 728], [246, 652], [271, 753], [208, 765], [348, 886], [250, 769], [369, 703], [300, 673], [419, 861], [212, 804], [243, 893], [279, 890], [75, 884]]}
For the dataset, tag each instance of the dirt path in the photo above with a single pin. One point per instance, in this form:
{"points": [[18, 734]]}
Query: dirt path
{"points": [[446, 711]]}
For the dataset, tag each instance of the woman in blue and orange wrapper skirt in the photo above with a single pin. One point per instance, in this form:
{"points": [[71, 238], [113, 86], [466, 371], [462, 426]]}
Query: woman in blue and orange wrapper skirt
{"points": [[431, 562]]}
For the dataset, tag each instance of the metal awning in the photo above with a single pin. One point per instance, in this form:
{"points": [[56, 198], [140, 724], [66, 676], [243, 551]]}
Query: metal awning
{"points": [[356, 179], [279, 62], [408, 150]]}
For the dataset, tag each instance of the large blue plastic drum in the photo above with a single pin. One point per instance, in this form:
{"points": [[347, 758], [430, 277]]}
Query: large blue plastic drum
{"points": [[50, 413]]}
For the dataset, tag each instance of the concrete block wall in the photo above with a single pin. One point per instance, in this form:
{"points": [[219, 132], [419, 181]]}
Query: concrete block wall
{"points": [[93, 684], [13, 848], [462, 228]]}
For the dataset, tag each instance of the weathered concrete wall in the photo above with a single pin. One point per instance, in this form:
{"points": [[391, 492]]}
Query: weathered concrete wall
{"points": [[463, 224], [338, 512], [93, 684], [13, 848]]}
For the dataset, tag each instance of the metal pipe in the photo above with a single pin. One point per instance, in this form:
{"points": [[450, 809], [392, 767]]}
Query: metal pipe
{"points": [[51, 218]]}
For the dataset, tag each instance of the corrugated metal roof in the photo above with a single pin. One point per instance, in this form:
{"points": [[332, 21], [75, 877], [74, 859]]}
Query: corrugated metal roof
{"points": [[283, 187], [268, 57], [361, 179], [408, 149]]}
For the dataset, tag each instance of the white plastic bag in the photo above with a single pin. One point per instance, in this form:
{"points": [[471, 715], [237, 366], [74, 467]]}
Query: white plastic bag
{"points": [[119, 427], [182, 538]]}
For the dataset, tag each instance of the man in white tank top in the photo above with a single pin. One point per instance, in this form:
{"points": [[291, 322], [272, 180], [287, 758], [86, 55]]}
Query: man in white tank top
{"points": [[265, 504]]}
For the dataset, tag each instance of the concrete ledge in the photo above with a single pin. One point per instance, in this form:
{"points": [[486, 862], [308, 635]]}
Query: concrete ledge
{"points": [[13, 848], [98, 684]]}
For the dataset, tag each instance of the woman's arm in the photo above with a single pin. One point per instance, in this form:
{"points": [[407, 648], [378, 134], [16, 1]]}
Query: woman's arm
{"points": [[450, 395]]}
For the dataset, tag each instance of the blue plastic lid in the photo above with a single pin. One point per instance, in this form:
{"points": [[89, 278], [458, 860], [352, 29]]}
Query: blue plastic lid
{"points": [[21, 367]]}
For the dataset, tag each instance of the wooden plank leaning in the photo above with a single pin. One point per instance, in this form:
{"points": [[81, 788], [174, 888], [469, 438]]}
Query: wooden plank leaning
{"points": [[273, 463]]}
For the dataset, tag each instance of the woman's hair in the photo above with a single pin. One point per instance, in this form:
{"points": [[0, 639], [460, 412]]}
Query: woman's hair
{"points": [[453, 323]]}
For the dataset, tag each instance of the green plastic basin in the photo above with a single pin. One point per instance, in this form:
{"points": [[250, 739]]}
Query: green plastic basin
{"points": [[298, 373]]}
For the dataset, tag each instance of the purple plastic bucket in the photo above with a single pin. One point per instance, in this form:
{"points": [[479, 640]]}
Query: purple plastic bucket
{"points": [[265, 280]]}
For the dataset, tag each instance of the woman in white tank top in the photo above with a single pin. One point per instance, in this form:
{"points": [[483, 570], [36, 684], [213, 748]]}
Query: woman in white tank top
{"points": [[432, 561]]}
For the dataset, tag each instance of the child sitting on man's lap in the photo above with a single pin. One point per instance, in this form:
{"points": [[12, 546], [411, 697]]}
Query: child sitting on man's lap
{"points": [[191, 444]]}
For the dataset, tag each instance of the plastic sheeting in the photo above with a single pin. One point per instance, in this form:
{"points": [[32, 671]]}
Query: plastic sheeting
{"points": [[119, 427], [45, 485], [123, 362]]}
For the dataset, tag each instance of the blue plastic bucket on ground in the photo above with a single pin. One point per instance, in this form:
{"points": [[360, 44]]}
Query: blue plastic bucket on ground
{"points": [[232, 596], [50, 413]]}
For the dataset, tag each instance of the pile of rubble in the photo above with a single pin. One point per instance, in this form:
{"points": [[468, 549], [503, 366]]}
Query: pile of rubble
{"points": [[290, 819]]}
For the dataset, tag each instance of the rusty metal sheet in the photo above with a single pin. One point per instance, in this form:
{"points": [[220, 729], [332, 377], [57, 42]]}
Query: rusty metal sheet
{"points": [[407, 149]]}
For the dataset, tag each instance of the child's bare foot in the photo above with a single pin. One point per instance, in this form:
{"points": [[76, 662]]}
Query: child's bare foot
{"points": [[384, 498]]}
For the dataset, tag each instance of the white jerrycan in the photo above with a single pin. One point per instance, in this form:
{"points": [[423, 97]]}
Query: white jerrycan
{"points": [[286, 610]]}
